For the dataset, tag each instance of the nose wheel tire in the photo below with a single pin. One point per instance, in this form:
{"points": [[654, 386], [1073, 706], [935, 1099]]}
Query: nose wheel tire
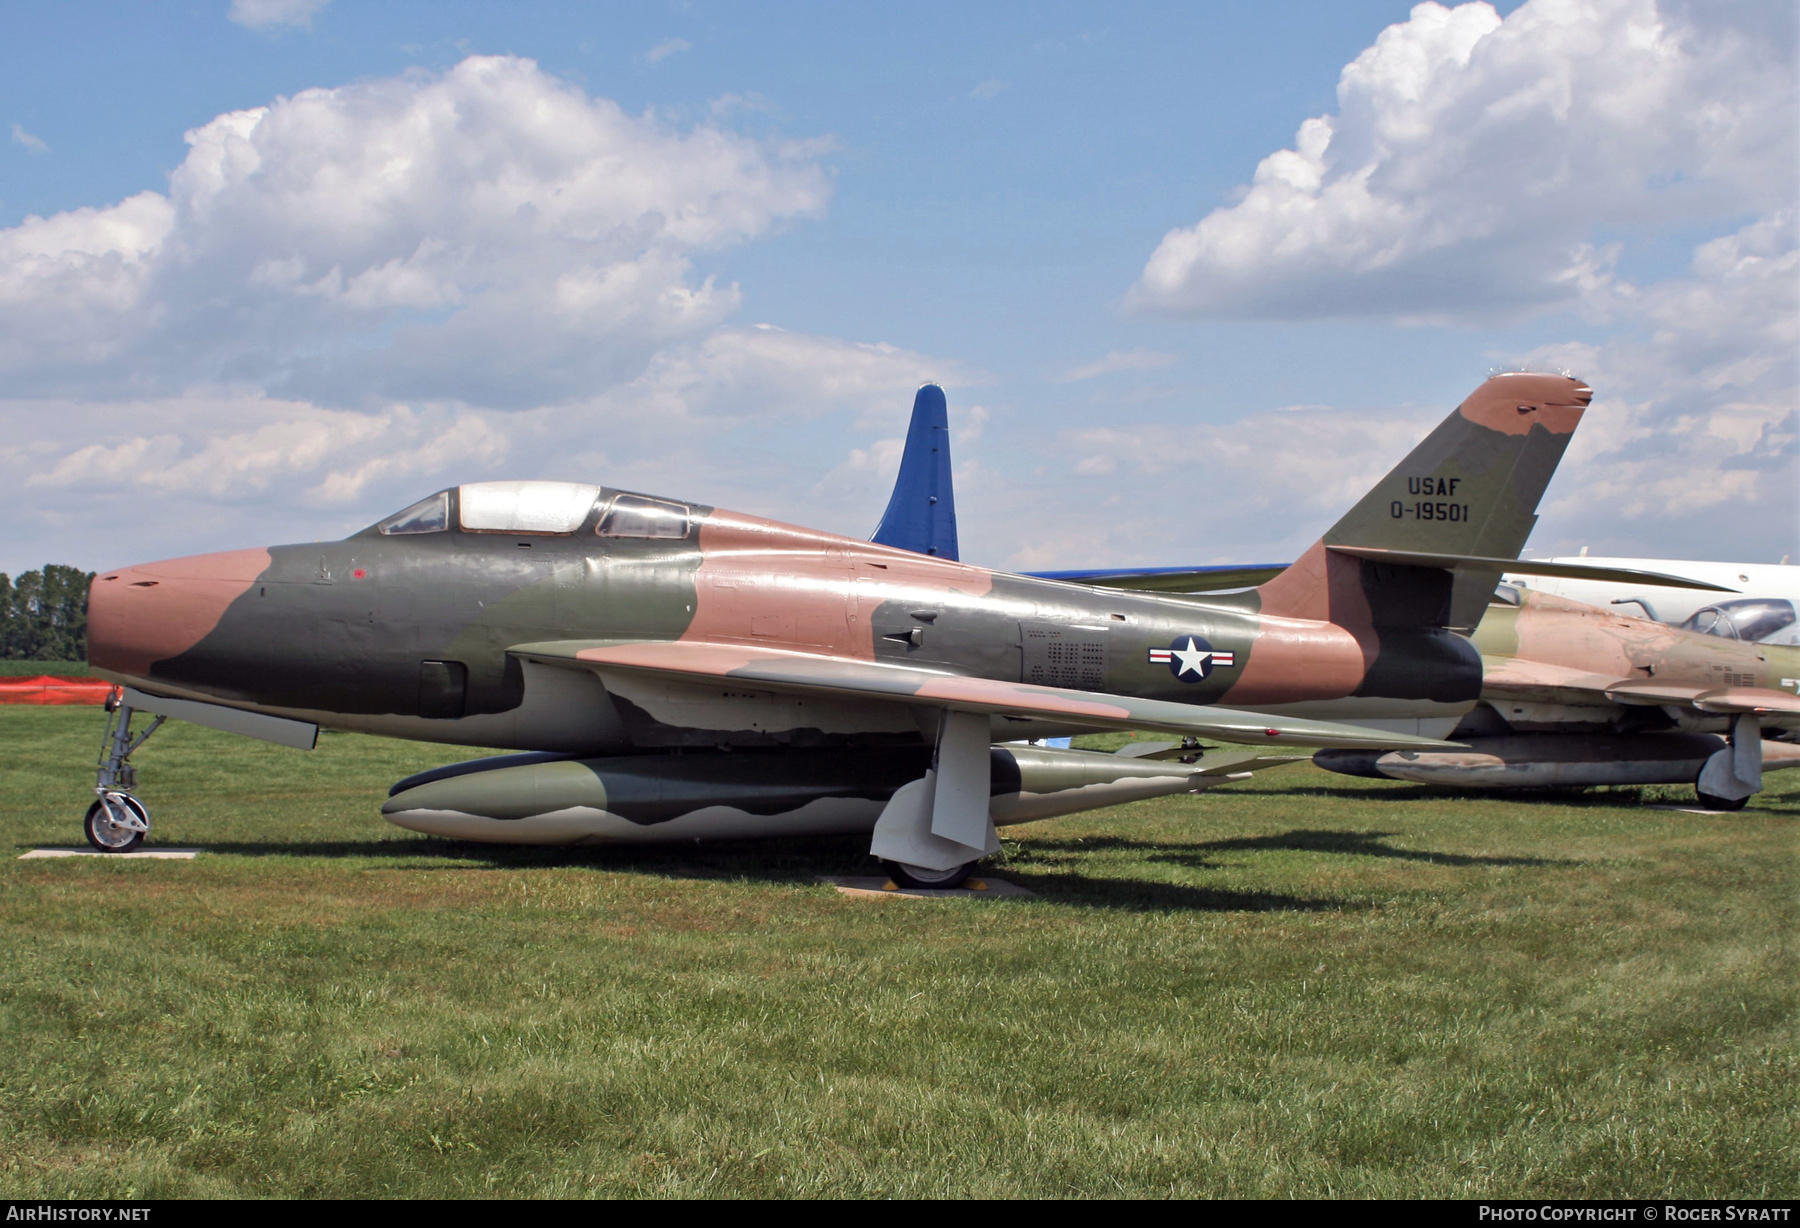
{"points": [[117, 823], [918, 876], [1709, 802]]}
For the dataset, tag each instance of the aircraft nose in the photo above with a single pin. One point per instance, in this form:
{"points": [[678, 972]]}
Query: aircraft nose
{"points": [[152, 612]]}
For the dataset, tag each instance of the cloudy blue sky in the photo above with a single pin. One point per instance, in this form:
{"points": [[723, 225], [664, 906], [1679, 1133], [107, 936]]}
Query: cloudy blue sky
{"points": [[1194, 276]]}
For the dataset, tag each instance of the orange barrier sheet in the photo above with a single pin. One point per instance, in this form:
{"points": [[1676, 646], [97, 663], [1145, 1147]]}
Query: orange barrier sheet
{"points": [[52, 689]]}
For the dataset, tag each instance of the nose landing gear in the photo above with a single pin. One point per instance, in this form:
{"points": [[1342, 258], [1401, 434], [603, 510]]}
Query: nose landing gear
{"points": [[117, 822]]}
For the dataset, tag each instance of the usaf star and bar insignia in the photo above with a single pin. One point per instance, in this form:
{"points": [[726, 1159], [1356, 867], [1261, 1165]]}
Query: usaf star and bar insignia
{"points": [[1191, 658]]}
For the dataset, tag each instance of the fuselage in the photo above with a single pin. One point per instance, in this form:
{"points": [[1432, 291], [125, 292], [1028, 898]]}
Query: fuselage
{"points": [[405, 633], [1579, 651]]}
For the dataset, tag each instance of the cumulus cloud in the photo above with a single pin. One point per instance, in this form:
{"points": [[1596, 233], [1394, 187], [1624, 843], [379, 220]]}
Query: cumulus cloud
{"points": [[763, 370], [1691, 448], [712, 420], [491, 234], [219, 467], [238, 448], [1475, 165], [1263, 485], [1695, 422], [273, 14], [1482, 170], [1119, 360], [350, 297], [667, 48]]}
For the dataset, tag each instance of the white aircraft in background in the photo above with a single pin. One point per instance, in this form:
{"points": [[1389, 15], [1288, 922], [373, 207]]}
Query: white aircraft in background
{"points": [[1768, 611]]}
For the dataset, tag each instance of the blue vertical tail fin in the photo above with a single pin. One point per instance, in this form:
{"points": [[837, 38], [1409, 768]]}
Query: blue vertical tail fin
{"points": [[921, 515]]}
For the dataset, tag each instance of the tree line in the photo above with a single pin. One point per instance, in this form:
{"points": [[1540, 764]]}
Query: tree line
{"points": [[43, 614]]}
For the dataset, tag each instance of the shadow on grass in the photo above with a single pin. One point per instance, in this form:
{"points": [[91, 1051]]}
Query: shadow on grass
{"points": [[793, 863], [1359, 843], [773, 860], [1140, 895], [1611, 796], [1368, 844]]}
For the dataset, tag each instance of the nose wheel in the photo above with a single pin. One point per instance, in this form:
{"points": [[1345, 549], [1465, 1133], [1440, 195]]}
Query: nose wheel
{"points": [[117, 822]]}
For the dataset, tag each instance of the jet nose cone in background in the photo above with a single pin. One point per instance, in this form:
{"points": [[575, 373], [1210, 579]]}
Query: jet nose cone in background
{"points": [[140, 615]]}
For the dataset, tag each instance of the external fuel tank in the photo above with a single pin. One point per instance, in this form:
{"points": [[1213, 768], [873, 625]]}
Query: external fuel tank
{"points": [[712, 795], [1527, 761]]}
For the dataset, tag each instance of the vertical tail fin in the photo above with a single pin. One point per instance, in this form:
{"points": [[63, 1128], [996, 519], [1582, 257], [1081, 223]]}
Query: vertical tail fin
{"points": [[1471, 488], [921, 514]]}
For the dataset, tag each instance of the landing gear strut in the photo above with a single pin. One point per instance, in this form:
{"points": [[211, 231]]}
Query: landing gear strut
{"points": [[117, 822], [1732, 775]]}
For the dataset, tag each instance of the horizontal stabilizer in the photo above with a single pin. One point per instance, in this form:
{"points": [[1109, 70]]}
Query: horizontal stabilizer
{"points": [[812, 674], [1171, 579], [1523, 567]]}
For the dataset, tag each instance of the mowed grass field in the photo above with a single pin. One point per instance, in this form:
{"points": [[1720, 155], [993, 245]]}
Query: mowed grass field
{"points": [[1303, 985], [27, 669]]}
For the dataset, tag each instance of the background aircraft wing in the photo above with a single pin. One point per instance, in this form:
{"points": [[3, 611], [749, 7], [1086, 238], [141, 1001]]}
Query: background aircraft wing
{"points": [[1525, 567], [1212, 579], [808, 673], [1728, 700], [1537, 682], [1171, 579]]}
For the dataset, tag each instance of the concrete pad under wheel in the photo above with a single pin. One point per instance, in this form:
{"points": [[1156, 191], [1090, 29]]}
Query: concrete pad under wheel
{"points": [[156, 854], [879, 885], [1697, 810]]}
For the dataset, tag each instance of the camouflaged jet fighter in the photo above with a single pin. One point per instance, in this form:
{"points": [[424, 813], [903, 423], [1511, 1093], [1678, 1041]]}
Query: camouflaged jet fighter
{"points": [[677, 671], [1572, 694]]}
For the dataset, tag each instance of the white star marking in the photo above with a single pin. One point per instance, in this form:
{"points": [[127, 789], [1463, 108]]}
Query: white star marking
{"points": [[1192, 658]]}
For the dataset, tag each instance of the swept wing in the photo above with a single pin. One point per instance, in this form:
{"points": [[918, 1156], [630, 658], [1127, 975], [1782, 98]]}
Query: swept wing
{"points": [[1524, 567], [1541, 682], [840, 678]]}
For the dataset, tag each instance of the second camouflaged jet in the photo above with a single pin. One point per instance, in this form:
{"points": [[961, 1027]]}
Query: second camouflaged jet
{"points": [[679, 671]]}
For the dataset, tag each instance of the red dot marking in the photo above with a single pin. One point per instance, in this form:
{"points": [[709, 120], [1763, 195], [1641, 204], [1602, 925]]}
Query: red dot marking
{"points": [[359, 574], [1273, 733]]}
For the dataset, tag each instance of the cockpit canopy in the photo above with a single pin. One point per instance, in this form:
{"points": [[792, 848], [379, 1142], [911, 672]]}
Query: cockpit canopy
{"points": [[540, 508], [1768, 620], [524, 507]]}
